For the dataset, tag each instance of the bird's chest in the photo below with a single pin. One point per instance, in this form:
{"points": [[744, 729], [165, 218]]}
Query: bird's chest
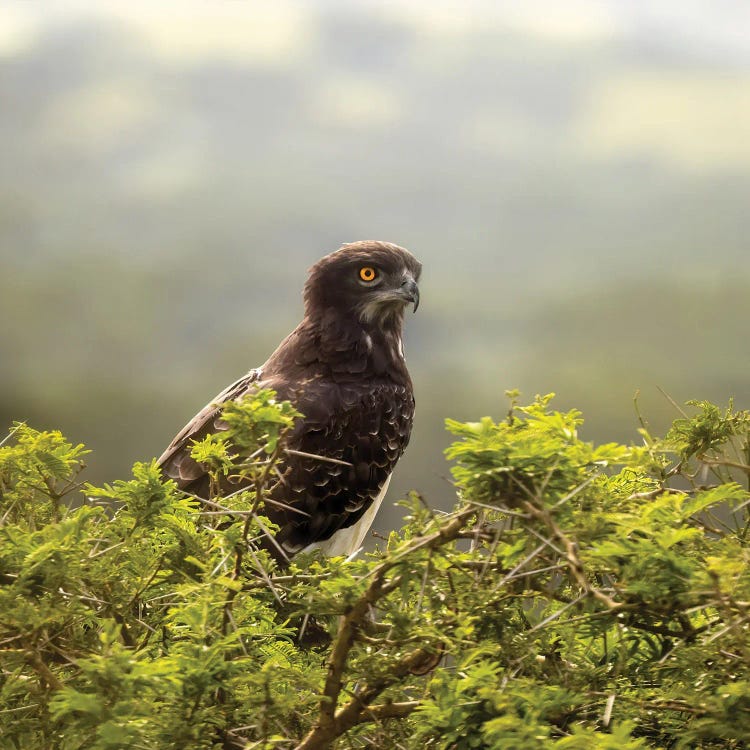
{"points": [[365, 431]]}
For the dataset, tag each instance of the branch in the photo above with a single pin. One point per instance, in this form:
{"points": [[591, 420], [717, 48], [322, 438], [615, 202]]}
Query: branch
{"points": [[358, 710], [331, 723], [723, 462], [35, 661], [344, 642], [571, 556], [393, 710]]}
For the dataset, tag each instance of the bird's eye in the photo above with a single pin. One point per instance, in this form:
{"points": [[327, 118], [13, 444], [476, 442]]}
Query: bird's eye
{"points": [[368, 274]]}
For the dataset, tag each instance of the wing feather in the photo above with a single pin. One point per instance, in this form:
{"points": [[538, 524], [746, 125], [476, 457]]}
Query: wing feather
{"points": [[175, 462]]}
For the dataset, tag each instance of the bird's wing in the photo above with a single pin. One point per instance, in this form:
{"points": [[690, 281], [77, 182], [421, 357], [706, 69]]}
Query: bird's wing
{"points": [[176, 462]]}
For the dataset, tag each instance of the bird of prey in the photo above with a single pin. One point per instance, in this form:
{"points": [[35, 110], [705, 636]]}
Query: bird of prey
{"points": [[343, 369]]}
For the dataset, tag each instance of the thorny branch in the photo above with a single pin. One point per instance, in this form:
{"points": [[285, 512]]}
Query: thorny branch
{"points": [[571, 555], [332, 723]]}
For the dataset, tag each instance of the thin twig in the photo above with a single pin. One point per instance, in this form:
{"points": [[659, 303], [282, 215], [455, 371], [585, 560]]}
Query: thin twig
{"points": [[557, 614], [12, 432], [328, 459], [518, 567]]}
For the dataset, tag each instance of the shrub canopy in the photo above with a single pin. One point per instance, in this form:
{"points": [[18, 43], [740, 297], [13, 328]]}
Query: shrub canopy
{"points": [[577, 596]]}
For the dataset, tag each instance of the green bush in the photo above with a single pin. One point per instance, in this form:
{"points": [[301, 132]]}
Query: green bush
{"points": [[577, 596]]}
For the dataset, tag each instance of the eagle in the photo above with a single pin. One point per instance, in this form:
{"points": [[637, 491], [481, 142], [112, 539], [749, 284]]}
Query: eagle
{"points": [[343, 369]]}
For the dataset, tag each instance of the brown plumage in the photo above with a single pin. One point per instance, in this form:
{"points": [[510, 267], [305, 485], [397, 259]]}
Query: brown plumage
{"points": [[343, 368]]}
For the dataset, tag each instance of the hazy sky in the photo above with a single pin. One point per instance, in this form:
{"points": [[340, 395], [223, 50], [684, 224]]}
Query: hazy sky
{"points": [[720, 27]]}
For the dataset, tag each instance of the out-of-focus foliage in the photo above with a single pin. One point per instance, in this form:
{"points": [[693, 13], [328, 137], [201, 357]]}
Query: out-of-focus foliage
{"points": [[577, 596]]}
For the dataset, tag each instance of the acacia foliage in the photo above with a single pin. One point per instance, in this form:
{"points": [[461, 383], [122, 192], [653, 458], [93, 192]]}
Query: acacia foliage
{"points": [[578, 596]]}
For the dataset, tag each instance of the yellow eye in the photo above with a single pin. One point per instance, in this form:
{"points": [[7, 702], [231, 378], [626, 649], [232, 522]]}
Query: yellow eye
{"points": [[367, 273]]}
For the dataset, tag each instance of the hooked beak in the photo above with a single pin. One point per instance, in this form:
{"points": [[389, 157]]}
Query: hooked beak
{"points": [[387, 302], [410, 292]]}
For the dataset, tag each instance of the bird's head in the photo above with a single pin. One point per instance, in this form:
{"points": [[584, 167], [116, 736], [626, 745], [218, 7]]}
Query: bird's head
{"points": [[374, 281]]}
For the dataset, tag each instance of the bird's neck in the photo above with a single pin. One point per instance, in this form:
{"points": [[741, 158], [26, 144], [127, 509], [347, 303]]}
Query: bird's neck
{"points": [[386, 349], [347, 347]]}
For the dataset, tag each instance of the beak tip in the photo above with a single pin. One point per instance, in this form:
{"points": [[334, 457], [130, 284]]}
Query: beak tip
{"points": [[410, 292]]}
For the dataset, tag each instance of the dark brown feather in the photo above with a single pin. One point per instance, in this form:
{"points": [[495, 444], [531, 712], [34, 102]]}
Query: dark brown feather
{"points": [[344, 371]]}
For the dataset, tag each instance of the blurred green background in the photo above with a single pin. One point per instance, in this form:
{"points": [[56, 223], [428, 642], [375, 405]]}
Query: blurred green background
{"points": [[574, 176]]}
